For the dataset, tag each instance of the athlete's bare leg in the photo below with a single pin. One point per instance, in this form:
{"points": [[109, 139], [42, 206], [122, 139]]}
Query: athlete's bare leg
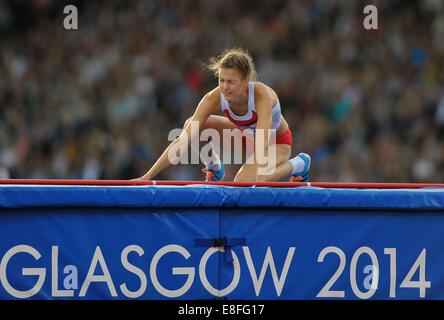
{"points": [[283, 167], [219, 124], [248, 172]]}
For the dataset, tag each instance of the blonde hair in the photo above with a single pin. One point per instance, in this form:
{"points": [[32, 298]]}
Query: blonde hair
{"points": [[234, 58]]}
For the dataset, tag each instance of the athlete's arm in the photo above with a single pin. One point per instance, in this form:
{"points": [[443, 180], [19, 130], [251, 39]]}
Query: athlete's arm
{"points": [[206, 107], [264, 105]]}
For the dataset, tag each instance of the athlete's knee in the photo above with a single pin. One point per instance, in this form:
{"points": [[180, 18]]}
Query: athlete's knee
{"points": [[245, 175], [242, 178], [265, 174], [262, 178]]}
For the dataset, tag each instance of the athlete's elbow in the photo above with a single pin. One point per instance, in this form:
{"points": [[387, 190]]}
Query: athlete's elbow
{"points": [[187, 121]]}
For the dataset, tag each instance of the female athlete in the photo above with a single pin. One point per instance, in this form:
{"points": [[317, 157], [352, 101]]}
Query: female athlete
{"points": [[241, 103]]}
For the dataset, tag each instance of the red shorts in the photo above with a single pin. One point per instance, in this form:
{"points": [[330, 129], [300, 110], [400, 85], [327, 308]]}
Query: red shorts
{"points": [[285, 138]]}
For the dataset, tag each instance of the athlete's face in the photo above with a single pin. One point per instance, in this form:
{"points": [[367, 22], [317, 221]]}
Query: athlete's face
{"points": [[232, 85]]}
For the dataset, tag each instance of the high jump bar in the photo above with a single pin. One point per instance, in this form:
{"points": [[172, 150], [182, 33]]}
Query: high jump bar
{"points": [[343, 185]]}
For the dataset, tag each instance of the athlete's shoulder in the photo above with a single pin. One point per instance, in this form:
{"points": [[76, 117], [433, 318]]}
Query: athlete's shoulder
{"points": [[211, 100], [213, 96], [260, 85], [263, 91]]}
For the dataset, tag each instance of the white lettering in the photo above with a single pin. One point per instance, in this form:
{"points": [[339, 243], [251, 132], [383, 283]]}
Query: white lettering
{"points": [[56, 292], [268, 261], [203, 275], [91, 277], [40, 272], [133, 269], [176, 271]]}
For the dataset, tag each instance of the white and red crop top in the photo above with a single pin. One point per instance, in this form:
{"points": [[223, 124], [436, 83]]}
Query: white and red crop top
{"points": [[249, 120]]}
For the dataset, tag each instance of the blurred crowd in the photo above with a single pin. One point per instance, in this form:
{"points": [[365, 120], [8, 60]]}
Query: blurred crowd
{"points": [[98, 102]]}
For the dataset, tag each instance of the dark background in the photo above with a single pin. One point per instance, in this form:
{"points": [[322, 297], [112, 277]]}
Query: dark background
{"points": [[98, 102]]}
